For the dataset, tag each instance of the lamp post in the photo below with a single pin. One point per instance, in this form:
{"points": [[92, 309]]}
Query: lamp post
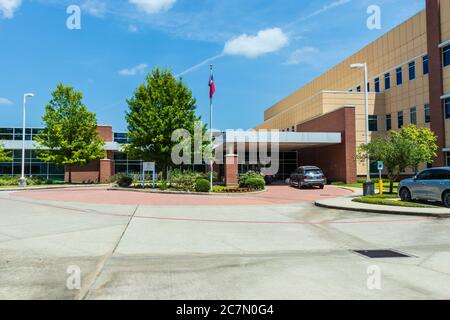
{"points": [[22, 180], [368, 186]]}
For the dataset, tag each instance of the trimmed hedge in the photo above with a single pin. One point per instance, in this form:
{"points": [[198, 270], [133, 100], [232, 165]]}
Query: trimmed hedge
{"points": [[202, 185]]}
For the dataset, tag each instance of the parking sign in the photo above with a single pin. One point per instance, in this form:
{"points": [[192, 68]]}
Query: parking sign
{"points": [[380, 165]]}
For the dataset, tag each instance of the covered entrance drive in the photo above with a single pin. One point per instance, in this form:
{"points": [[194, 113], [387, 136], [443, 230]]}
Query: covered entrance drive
{"points": [[280, 153]]}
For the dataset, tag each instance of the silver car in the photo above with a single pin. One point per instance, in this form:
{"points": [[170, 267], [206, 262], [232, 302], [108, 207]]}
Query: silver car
{"points": [[431, 185]]}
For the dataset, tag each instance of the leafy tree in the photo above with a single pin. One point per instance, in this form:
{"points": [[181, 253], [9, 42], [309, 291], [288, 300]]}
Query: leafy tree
{"points": [[4, 156], [70, 137], [159, 107], [424, 145], [400, 150]]}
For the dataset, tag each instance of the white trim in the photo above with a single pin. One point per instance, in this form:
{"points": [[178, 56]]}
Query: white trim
{"points": [[444, 44], [445, 96]]}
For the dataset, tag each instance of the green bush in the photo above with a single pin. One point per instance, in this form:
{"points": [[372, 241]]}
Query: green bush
{"points": [[9, 181], [122, 180], [256, 184], [202, 185], [252, 180], [183, 180]]}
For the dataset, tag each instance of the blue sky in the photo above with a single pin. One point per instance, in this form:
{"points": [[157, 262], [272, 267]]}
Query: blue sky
{"points": [[262, 50]]}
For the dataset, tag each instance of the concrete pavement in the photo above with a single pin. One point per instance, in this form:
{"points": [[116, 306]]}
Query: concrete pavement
{"points": [[257, 251]]}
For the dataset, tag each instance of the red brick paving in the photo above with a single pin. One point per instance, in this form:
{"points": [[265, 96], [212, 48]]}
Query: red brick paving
{"points": [[274, 195]]}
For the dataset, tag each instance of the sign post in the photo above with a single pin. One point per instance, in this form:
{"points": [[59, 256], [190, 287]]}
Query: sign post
{"points": [[380, 169], [149, 167]]}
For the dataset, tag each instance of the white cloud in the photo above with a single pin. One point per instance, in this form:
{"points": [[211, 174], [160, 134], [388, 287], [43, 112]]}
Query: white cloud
{"points": [[133, 28], [139, 69], [266, 41], [8, 7], [94, 8], [302, 55], [153, 6], [5, 101]]}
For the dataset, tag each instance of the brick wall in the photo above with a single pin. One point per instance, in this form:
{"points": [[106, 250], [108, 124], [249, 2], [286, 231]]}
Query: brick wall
{"points": [[338, 161]]}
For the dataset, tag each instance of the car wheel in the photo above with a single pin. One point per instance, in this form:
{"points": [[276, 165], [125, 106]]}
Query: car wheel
{"points": [[405, 195], [322, 186], [446, 199]]}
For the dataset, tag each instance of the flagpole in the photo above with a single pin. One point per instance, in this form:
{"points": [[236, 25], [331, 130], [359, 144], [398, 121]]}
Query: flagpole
{"points": [[211, 133]]}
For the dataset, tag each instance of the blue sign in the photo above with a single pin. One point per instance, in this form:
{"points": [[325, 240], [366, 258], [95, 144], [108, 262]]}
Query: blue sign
{"points": [[380, 165]]}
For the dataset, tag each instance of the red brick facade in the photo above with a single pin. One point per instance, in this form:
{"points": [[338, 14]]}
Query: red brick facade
{"points": [[338, 161], [98, 170], [231, 170]]}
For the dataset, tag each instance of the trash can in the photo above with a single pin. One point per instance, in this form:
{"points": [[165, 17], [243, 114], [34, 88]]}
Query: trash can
{"points": [[369, 189]]}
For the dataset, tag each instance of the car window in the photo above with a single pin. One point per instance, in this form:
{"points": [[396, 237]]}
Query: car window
{"points": [[313, 171], [440, 175], [426, 175]]}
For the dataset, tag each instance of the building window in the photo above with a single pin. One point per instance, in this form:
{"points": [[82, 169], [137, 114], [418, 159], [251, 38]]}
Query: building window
{"points": [[447, 108], [399, 76], [387, 81], [426, 65], [427, 114], [448, 158], [293, 128], [412, 70], [400, 119], [413, 115], [388, 122], [358, 89], [377, 85], [368, 86], [446, 59], [373, 123]]}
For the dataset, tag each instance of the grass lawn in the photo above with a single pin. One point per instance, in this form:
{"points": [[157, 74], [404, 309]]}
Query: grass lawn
{"points": [[360, 185], [389, 200]]}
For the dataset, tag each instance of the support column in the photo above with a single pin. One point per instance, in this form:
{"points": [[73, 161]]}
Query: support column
{"points": [[436, 83], [106, 168], [231, 170]]}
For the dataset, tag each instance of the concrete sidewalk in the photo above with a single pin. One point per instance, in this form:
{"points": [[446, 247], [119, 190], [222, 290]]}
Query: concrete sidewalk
{"points": [[346, 203]]}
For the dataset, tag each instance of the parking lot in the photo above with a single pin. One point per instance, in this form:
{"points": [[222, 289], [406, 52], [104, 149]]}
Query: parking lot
{"points": [[274, 245]]}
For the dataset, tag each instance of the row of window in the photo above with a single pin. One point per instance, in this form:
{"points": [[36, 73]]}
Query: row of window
{"points": [[17, 134], [373, 119], [411, 72]]}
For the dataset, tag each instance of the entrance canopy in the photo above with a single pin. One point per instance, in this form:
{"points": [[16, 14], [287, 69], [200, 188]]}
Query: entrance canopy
{"points": [[287, 141]]}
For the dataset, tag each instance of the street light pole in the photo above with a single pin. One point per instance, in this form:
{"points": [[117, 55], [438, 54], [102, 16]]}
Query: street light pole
{"points": [[366, 113], [22, 180]]}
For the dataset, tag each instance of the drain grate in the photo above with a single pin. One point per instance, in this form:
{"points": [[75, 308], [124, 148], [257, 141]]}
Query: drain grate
{"points": [[380, 254]]}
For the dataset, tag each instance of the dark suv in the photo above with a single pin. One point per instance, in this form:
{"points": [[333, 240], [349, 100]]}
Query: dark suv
{"points": [[308, 176]]}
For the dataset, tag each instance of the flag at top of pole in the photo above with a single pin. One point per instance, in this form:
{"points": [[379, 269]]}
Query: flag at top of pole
{"points": [[212, 86]]}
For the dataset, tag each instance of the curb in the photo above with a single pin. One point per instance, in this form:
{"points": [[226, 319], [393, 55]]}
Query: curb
{"points": [[36, 188], [379, 211], [151, 191]]}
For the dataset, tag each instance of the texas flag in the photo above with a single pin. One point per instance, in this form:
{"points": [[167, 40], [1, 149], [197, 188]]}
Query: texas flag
{"points": [[212, 86]]}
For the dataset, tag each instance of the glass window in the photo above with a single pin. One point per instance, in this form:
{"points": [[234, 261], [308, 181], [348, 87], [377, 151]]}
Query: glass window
{"points": [[413, 115], [446, 52], [400, 119], [399, 76], [121, 138], [373, 123], [368, 86], [426, 65], [388, 122], [387, 81], [440, 174], [377, 85], [427, 114], [447, 108], [358, 89], [448, 158], [412, 70], [425, 175], [6, 133]]}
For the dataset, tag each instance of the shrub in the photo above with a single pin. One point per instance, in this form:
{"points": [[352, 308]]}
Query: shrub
{"points": [[252, 180], [122, 180], [9, 181], [202, 185], [163, 185], [255, 183], [184, 180]]}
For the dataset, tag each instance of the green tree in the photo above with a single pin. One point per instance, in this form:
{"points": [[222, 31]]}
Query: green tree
{"points": [[158, 107], [424, 145], [4, 156], [400, 150], [70, 136]]}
